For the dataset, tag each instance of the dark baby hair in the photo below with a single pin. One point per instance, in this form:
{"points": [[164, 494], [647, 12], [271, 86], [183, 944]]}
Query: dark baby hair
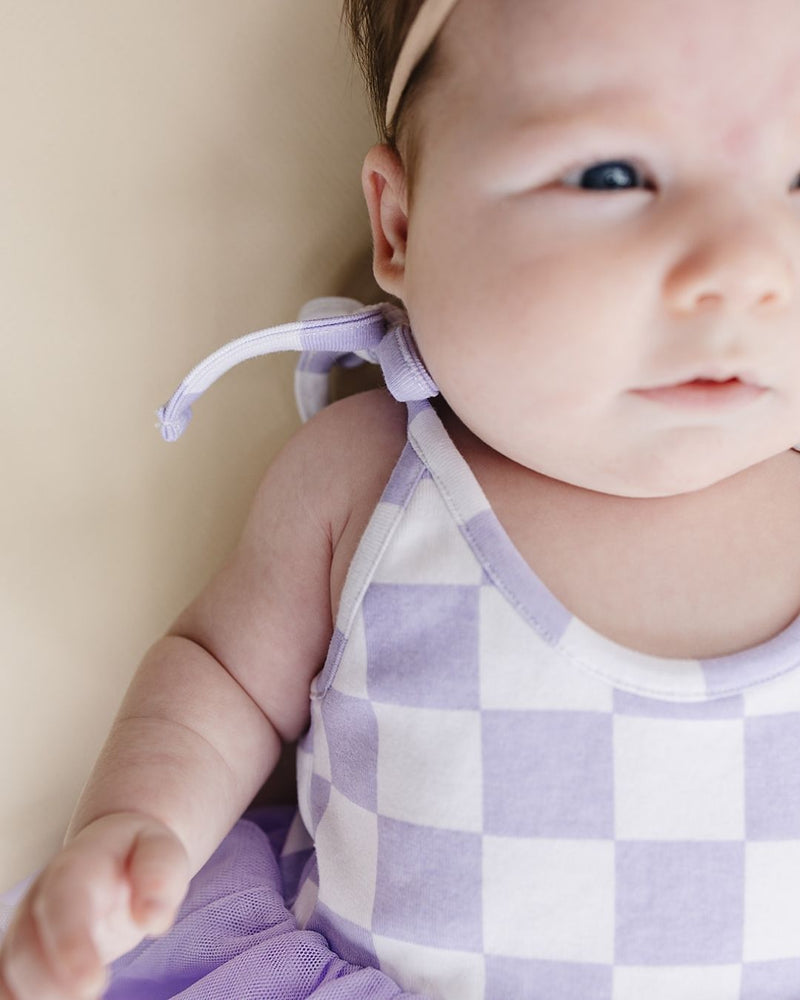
{"points": [[378, 29]]}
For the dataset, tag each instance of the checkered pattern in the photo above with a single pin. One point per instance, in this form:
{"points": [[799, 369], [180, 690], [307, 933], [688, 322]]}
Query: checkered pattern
{"points": [[505, 804]]}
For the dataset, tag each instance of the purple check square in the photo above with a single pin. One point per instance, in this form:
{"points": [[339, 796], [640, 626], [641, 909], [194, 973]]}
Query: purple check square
{"points": [[771, 980], [519, 977], [319, 798], [406, 475], [772, 777], [654, 708], [679, 903], [422, 644], [352, 733], [426, 889], [548, 774]]}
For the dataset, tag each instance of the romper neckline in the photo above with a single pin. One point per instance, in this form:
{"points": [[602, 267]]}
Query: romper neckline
{"points": [[664, 678]]}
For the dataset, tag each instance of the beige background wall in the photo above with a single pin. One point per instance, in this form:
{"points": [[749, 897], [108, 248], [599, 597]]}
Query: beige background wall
{"points": [[175, 173]]}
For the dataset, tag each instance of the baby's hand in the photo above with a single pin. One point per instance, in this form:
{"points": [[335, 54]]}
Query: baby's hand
{"points": [[120, 879]]}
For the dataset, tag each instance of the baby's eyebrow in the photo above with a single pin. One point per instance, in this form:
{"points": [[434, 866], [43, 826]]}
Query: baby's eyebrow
{"points": [[541, 132], [604, 109]]}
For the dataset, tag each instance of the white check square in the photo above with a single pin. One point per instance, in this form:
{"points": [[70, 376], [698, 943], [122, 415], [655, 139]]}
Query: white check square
{"points": [[519, 671], [431, 972], [772, 900], [448, 557], [723, 982], [678, 779], [347, 853], [436, 779], [549, 899]]}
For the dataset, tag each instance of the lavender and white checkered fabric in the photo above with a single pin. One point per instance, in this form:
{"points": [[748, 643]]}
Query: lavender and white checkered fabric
{"points": [[505, 805]]}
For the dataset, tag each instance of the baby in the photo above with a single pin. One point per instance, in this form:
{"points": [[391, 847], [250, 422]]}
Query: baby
{"points": [[539, 633]]}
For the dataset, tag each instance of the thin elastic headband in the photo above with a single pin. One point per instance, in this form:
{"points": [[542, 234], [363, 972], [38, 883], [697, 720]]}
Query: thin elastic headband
{"points": [[427, 25]]}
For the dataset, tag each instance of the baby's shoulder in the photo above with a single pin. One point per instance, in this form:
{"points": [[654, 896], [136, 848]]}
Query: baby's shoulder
{"points": [[355, 444], [355, 440], [371, 420], [343, 457]]}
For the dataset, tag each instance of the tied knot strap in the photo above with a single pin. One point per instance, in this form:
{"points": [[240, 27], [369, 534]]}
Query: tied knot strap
{"points": [[404, 371], [330, 331]]}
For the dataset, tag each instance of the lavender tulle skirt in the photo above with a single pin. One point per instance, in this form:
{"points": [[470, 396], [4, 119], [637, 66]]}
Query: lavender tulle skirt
{"points": [[234, 938]]}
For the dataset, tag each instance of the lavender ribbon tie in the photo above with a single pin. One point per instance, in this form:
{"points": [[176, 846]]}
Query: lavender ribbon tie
{"points": [[330, 331]]}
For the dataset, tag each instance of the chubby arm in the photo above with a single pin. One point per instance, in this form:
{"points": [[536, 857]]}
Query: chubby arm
{"points": [[203, 721], [201, 725]]}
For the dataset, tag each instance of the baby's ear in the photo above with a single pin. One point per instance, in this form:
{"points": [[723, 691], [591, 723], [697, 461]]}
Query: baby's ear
{"points": [[383, 178]]}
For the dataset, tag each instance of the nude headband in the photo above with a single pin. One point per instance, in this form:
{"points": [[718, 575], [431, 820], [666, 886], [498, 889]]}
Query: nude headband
{"points": [[427, 25]]}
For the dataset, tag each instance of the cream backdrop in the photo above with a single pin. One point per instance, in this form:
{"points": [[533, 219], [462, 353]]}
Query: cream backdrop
{"points": [[174, 173]]}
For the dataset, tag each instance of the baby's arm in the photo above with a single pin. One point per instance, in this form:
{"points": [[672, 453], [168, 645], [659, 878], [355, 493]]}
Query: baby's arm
{"points": [[200, 728]]}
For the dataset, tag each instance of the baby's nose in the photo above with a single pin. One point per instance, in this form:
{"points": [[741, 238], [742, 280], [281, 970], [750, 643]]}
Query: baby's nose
{"points": [[742, 267]]}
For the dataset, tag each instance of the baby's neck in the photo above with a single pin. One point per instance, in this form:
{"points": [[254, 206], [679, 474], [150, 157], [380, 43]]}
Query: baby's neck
{"points": [[693, 576]]}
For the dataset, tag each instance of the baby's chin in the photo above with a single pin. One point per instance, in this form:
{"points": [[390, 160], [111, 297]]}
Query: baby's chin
{"points": [[659, 476]]}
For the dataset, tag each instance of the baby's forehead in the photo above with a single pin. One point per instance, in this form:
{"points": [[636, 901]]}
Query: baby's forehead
{"points": [[713, 57], [486, 44], [557, 35]]}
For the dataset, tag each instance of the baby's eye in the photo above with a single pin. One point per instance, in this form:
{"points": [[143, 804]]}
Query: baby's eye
{"points": [[610, 175]]}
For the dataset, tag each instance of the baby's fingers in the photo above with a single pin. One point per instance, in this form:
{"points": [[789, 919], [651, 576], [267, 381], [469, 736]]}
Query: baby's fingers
{"points": [[158, 871], [29, 974], [62, 914]]}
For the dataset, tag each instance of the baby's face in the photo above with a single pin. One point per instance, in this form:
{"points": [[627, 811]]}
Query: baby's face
{"points": [[603, 252]]}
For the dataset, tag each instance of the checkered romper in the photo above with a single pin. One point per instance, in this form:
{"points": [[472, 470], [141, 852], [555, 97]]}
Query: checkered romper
{"points": [[506, 805]]}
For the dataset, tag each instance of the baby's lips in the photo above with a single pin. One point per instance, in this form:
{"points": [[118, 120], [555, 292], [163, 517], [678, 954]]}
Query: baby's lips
{"points": [[703, 393]]}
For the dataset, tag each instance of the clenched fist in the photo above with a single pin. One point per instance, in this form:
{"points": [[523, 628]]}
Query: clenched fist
{"points": [[121, 879]]}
